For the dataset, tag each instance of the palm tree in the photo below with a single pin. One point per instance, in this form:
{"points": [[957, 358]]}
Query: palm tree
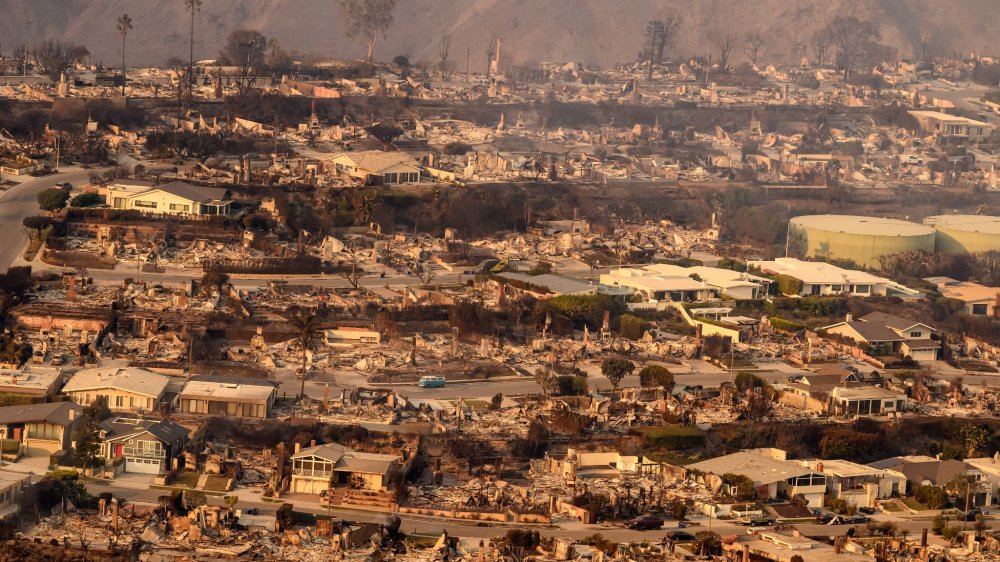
{"points": [[124, 24], [306, 323], [193, 7]]}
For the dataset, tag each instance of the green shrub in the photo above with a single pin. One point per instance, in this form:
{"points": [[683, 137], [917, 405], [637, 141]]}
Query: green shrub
{"points": [[656, 375], [86, 200], [788, 285], [933, 497], [632, 327]]}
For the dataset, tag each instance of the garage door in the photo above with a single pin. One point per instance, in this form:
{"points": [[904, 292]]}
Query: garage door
{"points": [[144, 466], [39, 448], [304, 486]]}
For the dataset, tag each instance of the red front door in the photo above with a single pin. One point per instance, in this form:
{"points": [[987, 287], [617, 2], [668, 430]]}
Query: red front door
{"points": [[118, 450]]}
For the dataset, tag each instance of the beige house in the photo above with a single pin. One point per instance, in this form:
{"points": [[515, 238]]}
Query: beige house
{"points": [[979, 300], [175, 198], [952, 125], [127, 389], [317, 469], [389, 167], [38, 430], [227, 396]]}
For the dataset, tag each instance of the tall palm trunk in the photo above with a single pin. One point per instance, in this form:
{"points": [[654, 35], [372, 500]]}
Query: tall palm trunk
{"points": [[123, 65]]}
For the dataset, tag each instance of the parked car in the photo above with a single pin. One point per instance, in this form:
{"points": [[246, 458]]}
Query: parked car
{"points": [[432, 381], [679, 536], [867, 510], [971, 515], [646, 523], [761, 522], [252, 511]]}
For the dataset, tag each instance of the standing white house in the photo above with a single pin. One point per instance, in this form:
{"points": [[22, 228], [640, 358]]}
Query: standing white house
{"points": [[175, 198], [388, 167]]}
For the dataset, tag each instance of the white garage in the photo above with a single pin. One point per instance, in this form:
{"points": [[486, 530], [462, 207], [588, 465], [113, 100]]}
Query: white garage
{"points": [[921, 350], [143, 466]]}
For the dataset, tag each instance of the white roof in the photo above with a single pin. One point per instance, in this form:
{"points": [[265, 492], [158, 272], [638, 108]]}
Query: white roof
{"points": [[30, 377], [757, 467], [842, 468], [639, 279], [129, 379], [711, 275], [817, 272], [948, 117], [227, 391], [376, 160]]}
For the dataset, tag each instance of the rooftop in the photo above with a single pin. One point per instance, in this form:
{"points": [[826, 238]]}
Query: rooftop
{"points": [[555, 283], [165, 431], [968, 291], [762, 469], [228, 391], [29, 378], [54, 412], [376, 160], [129, 379], [817, 272]]}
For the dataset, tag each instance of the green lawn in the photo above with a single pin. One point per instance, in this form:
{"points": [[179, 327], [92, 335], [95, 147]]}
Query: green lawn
{"points": [[890, 506]]}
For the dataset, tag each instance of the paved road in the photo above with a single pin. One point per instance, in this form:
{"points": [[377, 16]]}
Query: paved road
{"points": [[21, 201]]}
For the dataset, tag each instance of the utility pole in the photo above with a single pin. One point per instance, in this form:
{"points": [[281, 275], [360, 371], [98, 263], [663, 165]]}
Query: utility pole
{"points": [[468, 57]]}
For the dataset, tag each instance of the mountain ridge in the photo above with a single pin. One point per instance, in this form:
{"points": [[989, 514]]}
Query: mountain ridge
{"points": [[602, 32]]}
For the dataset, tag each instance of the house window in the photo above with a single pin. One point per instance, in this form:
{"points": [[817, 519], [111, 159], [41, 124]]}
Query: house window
{"points": [[145, 204], [915, 334], [979, 309], [119, 401], [863, 289], [179, 207], [837, 288], [391, 177]]}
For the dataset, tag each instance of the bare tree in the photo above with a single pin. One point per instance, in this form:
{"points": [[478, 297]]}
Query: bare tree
{"points": [[724, 43], [245, 50], [754, 46], [425, 272], [367, 20], [661, 35], [925, 43], [180, 70], [353, 272], [54, 57], [851, 36], [444, 47], [192, 7], [124, 25], [821, 43]]}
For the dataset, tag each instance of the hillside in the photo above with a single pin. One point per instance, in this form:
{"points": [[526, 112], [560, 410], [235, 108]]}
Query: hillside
{"points": [[590, 31]]}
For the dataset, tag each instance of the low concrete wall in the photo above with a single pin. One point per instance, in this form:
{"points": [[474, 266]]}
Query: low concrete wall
{"points": [[497, 516]]}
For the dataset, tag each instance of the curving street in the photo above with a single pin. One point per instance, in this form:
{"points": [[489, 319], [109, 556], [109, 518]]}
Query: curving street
{"points": [[21, 201]]}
